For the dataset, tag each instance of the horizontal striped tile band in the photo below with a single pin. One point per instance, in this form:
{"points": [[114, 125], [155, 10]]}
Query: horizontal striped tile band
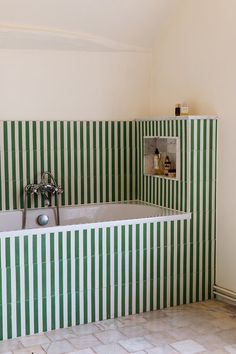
{"points": [[53, 280]]}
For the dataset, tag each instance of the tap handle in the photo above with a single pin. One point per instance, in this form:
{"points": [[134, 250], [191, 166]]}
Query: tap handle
{"points": [[58, 190], [31, 189]]}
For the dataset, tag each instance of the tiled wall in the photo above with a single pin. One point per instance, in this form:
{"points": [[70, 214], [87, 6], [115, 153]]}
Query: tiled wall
{"points": [[107, 272], [102, 161], [59, 279], [161, 191], [93, 161], [194, 192]]}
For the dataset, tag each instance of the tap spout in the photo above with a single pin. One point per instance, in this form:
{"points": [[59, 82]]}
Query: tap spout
{"points": [[50, 175]]}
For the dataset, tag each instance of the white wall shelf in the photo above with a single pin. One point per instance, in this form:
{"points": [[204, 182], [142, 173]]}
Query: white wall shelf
{"points": [[161, 176]]}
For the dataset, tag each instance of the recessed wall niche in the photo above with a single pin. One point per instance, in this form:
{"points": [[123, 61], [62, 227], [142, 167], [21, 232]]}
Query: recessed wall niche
{"points": [[167, 147]]}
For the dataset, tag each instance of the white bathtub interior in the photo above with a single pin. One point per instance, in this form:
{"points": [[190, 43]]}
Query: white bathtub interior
{"points": [[86, 214]]}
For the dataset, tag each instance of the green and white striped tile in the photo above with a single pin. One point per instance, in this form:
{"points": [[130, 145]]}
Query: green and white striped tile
{"points": [[195, 192], [93, 161], [60, 279], [167, 193]]}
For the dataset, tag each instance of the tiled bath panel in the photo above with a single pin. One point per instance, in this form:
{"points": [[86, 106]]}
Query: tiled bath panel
{"points": [[207, 327], [59, 279]]}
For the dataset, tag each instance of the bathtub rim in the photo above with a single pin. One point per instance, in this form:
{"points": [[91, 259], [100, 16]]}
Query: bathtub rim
{"points": [[180, 215]]}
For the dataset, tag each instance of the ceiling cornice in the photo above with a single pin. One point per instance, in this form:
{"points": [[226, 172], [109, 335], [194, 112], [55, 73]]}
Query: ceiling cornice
{"points": [[77, 40]]}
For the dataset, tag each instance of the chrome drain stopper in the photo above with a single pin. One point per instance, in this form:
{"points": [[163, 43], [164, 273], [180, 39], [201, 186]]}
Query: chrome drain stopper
{"points": [[42, 220]]}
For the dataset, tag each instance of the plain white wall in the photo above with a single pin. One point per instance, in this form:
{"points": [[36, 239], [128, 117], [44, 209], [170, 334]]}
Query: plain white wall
{"points": [[42, 84], [196, 62]]}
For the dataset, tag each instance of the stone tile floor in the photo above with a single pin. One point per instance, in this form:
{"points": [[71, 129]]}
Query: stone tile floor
{"points": [[207, 327]]}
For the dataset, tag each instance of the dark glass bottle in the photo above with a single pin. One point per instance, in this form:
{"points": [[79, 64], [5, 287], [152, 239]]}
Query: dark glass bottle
{"points": [[177, 110]]}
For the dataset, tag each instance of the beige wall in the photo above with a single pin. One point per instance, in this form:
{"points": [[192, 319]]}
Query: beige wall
{"points": [[196, 62], [134, 22], [42, 84]]}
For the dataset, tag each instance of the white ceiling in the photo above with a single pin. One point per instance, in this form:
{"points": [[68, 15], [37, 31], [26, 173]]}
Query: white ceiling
{"points": [[120, 24]]}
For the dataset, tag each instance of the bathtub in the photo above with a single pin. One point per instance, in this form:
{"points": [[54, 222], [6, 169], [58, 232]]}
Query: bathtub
{"points": [[103, 261], [92, 214]]}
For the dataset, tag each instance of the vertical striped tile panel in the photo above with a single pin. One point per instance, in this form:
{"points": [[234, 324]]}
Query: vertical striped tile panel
{"points": [[202, 190], [195, 192], [93, 161], [164, 192], [55, 280]]}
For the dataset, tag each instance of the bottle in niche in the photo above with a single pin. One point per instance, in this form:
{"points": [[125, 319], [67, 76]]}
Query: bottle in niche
{"points": [[167, 165], [157, 163]]}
